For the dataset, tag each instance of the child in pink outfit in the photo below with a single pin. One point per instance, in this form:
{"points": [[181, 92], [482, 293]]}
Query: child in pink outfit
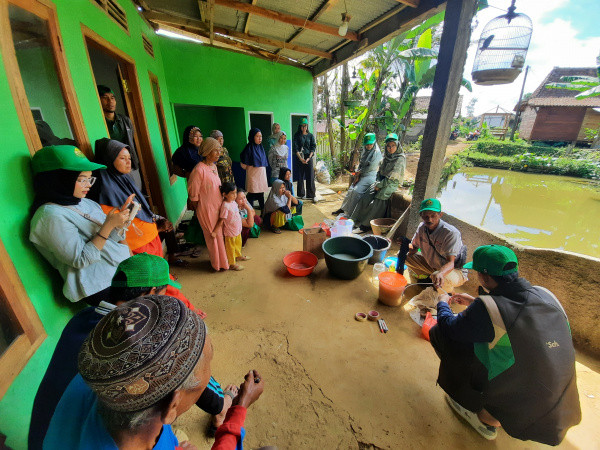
{"points": [[231, 223]]}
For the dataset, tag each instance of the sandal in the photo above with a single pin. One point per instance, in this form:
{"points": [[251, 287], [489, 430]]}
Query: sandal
{"points": [[276, 230], [178, 262], [487, 431], [236, 267], [243, 258]]}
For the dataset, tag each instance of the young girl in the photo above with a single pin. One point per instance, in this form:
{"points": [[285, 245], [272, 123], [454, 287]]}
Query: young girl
{"points": [[285, 175], [247, 214], [277, 207], [231, 222]]}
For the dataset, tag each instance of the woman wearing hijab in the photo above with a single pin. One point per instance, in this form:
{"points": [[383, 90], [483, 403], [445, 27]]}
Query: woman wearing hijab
{"points": [[304, 146], [374, 204], [285, 175], [186, 157], [114, 185], [72, 232], [254, 161], [278, 155], [278, 207], [365, 176], [205, 196], [272, 140], [224, 162]]}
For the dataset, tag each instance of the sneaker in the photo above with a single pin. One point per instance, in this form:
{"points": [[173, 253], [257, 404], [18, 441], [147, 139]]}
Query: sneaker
{"points": [[314, 200], [487, 431]]}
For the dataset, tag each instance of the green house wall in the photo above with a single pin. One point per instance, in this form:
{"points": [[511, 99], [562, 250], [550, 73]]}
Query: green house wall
{"points": [[188, 74]]}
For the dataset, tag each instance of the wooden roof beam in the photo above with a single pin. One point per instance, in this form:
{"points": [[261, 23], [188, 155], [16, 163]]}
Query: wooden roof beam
{"points": [[285, 18], [247, 24], [160, 18], [211, 17], [411, 3]]}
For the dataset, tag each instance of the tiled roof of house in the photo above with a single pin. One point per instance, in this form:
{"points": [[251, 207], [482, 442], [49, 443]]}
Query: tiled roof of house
{"points": [[544, 96]]}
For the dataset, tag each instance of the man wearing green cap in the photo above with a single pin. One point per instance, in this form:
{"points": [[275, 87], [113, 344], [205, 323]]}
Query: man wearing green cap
{"points": [[442, 252], [365, 176], [120, 129], [137, 276], [508, 359]]}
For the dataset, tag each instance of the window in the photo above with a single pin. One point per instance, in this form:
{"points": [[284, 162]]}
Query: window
{"points": [[114, 11], [38, 76], [148, 45], [21, 331], [162, 124]]}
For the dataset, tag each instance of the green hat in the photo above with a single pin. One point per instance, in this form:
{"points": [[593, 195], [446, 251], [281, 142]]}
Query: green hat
{"points": [[143, 270], [369, 139], [391, 137], [104, 90], [304, 121], [431, 204], [495, 260], [65, 157]]}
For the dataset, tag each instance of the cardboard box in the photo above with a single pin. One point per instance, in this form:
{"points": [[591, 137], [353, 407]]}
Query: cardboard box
{"points": [[312, 240]]}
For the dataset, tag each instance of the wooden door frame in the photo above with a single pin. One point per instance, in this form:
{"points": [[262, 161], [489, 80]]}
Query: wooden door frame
{"points": [[162, 123], [142, 136], [45, 10]]}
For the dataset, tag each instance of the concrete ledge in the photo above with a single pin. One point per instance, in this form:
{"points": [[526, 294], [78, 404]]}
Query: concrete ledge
{"points": [[572, 277]]}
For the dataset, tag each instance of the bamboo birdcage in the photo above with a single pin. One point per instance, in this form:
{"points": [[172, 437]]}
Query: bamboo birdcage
{"points": [[502, 49]]}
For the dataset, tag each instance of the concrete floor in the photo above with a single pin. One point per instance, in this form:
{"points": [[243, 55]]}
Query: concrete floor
{"points": [[332, 382]]}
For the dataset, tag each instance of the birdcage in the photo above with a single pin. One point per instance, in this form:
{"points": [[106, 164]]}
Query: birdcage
{"points": [[502, 49]]}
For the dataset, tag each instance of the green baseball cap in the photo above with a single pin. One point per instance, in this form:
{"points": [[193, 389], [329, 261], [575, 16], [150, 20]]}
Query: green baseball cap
{"points": [[494, 260], [431, 204], [304, 121], [143, 270], [369, 139], [65, 157], [391, 137]]}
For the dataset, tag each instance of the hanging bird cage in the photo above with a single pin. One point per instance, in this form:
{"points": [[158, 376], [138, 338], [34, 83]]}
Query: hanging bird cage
{"points": [[502, 49]]}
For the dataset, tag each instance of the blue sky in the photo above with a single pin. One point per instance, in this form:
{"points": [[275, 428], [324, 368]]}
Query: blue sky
{"points": [[584, 14]]}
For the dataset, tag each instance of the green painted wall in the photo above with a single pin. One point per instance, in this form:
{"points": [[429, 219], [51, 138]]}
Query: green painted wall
{"points": [[233, 81]]}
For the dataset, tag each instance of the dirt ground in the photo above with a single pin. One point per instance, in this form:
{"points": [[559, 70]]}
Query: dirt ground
{"points": [[332, 382]]}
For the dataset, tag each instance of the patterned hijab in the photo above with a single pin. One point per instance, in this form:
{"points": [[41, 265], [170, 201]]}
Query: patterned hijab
{"points": [[142, 351], [208, 145], [275, 201], [254, 154], [393, 164]]}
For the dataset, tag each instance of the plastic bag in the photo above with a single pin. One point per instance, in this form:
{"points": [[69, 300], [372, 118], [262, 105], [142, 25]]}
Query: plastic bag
{"points": [[255, 231], [429, 323], [323, 176], [296, 223]]}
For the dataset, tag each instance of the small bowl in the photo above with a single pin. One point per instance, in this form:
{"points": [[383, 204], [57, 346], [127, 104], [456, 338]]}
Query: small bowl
{"points": [[300, 264]]}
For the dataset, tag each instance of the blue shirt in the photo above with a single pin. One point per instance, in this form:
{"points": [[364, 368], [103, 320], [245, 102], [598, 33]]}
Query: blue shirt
{"points": [[471, 325], [76, 424]]}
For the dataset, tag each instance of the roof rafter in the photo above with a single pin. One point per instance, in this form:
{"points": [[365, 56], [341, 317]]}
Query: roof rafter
{"points": [[285, 18], [160, 17], [411, 3], [247, 24]]}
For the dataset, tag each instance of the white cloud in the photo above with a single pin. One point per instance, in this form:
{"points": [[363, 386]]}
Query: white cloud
{"points": [[552, 44]]}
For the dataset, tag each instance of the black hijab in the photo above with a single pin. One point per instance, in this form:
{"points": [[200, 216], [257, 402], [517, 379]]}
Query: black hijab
{"points": [[55, 186], [187, 155], [288, 183], [253, 153], [113, 187]]}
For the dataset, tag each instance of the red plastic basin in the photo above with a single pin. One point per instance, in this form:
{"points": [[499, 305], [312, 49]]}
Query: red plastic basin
{"points": [[299, 263]]}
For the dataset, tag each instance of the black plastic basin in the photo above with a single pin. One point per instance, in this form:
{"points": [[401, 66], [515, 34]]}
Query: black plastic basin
{"points": [[346, 257], [380, 247]]}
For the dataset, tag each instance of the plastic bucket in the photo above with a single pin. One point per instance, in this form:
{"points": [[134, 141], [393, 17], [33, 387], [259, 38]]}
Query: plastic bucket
{"points": [[382, 226], [380, 247], [346, 257], [391, 287]]}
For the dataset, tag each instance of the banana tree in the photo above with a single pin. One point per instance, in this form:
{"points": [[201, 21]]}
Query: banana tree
{"points": [[588, 86]]}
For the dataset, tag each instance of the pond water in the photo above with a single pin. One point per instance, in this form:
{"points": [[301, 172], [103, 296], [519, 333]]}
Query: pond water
{"points": [[544, 211]]}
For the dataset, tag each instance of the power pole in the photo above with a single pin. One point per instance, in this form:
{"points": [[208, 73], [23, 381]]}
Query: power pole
{"points": [[518, 115]]}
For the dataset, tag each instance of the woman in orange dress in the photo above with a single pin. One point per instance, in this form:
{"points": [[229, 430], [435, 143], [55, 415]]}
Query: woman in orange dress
{"points": [[205, 197]]}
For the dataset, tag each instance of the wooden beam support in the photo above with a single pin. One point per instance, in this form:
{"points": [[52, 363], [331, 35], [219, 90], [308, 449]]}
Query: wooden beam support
{"points": [[285, 18], [211, 17], [403, 20], [247, 24], [203, 7], [159, 17], [411, 3], [442, 106]]}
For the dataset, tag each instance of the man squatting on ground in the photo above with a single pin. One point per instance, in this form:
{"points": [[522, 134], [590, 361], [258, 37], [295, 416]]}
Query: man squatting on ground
{"points": [[144, 364], [508, 359], [442, 253]]}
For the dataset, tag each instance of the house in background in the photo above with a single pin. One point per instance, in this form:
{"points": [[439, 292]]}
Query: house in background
{"points": [[419, 117], [498, 121], [555, 114]]}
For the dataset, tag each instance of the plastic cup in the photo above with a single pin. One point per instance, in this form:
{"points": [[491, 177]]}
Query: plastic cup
{"points": [[377, 269]]}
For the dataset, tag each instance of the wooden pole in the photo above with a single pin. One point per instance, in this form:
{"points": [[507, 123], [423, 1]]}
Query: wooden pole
{"points": [[518, 115], [442, 107]]}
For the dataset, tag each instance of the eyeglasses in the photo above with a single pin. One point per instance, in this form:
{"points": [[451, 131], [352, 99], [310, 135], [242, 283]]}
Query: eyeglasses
{"points": [[89, 181]]}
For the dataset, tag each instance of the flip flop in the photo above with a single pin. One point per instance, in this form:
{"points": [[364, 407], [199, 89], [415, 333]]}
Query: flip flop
{"points": [[487, 431], [243, 258], [276, 230], [237, 268], [179, 263]]}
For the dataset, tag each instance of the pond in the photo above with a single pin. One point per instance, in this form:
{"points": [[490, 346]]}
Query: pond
{"points": [[544, 211]]}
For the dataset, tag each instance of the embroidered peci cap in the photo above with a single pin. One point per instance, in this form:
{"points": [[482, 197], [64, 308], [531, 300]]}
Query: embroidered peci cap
{"points": [[430, 204], [65, 157], [143, 270], [495, 260]]}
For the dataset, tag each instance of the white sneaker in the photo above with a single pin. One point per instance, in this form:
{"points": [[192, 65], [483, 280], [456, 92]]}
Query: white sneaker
{"points": [[487, 431]]}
